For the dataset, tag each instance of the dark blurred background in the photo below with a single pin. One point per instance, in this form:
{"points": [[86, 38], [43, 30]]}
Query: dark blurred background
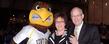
{"points": [[14, 15]]}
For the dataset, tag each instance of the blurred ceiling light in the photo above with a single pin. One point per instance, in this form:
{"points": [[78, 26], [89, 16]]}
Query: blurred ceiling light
{"points": [[85, 0], [24, 16], [93, 2], [13, 15], [106, 4], [10, 18]]}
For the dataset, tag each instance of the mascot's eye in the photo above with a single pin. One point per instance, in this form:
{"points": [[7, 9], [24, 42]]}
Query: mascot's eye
{"points": [[37, 7], [49, 9], [35, 17], [48, 19]]}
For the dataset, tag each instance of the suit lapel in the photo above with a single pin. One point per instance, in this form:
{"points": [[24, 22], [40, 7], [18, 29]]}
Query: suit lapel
{"points": [[82, 32]]}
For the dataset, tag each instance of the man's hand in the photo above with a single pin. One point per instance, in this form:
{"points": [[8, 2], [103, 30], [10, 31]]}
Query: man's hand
{"points": [[73, 40]]}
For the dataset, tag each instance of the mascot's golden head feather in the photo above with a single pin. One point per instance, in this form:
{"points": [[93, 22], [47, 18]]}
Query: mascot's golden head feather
{"points": [[41, 15]]}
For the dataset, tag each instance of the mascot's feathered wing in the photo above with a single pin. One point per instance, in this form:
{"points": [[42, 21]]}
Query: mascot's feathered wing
{"points": [[40, 18]]}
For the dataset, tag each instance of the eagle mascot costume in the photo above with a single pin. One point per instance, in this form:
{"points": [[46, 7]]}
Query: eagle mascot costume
{"points": [[37, 32]]}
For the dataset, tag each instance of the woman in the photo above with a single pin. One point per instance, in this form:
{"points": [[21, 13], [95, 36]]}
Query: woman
{"points": [[60, 35]]}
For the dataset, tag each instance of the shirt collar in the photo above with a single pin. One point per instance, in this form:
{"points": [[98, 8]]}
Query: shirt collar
{"points": [[79, 26]]}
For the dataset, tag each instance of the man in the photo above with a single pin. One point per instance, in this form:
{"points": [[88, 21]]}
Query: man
{"points": [[83, 33]]}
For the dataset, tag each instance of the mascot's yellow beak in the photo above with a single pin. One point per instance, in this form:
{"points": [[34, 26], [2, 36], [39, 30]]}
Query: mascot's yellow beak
{"points": [[41, 17]]}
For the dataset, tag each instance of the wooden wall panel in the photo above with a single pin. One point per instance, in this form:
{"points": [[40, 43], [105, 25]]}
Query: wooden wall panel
{"points": [[106, 12], [23, 4], [95, 11], [98, 12], [91, 11], [5, 3]]}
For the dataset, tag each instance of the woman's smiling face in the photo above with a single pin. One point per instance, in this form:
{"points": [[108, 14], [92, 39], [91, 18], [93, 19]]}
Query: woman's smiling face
{"points": [[60, 23]]}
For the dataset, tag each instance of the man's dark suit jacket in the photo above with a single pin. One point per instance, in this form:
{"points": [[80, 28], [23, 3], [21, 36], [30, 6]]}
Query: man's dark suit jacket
{"points": [[89, 35]]}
